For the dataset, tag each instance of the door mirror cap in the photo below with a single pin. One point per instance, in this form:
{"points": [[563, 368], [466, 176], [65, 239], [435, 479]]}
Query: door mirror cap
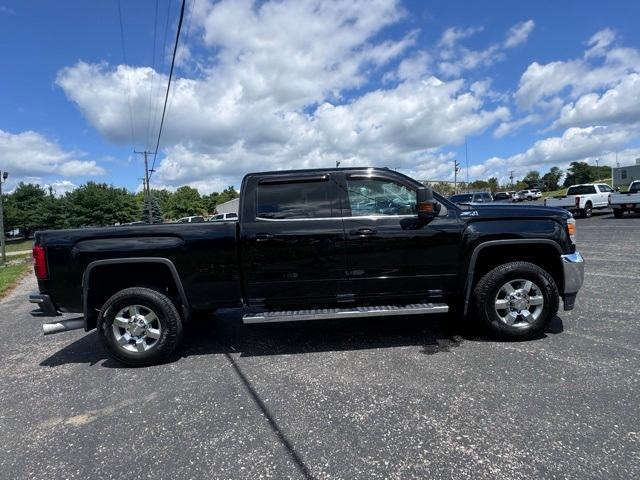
{"points": [[428, 208]]}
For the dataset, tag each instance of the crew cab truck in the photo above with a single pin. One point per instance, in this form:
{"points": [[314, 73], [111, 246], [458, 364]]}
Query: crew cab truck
{"points": [[312, 244], [582, 199], [626, 202]]}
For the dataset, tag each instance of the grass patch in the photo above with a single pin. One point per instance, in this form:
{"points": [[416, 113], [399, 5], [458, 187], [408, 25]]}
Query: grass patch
{"points": [[19, 245], [10, 274]]}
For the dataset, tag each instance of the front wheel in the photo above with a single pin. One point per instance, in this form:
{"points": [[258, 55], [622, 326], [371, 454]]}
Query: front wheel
{"points": [[517, 300], [140, 326]]}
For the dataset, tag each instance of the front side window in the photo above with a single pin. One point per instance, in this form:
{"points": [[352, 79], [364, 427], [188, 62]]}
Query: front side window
{"points": [[463, 197], [292, 200], [380, 196], [605, 188]]}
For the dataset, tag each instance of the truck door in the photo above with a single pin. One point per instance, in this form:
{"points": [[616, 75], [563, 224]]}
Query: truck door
{"points": [[387, 255], [292, 240]]}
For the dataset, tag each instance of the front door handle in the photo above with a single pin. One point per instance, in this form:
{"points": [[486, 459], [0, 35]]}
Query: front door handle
{"points": [[263, 237], [363, 232]]}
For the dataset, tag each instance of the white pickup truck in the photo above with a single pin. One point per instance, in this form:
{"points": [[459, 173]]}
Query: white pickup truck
{"points": [[582, 200], [626, 202]]}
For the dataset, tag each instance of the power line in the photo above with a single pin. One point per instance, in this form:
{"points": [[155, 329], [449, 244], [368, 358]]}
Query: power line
{"points": [[151, 82], [162, 56], [166, 97], [124, 59]]}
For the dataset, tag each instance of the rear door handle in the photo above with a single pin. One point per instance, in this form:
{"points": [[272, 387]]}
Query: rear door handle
{"points": [[262, 237], [363, 232]]}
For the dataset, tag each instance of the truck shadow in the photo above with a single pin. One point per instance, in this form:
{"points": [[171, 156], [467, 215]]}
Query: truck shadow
{"points": [[225, 334]]}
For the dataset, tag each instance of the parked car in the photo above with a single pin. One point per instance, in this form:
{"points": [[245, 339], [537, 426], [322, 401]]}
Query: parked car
{"points": [[502, 197], [522, 195], [582, 199], [312, 244], [221, 217], [472, 198], [626, 202], [193, 219]]}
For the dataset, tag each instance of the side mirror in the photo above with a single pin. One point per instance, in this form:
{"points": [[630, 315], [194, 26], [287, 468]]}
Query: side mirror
{"points": [[428, 208]]}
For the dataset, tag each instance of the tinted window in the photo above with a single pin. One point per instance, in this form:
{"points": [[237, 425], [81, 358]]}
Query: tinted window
{"points": [[605, 188], [232, 215], [463, 198], [581, 190], [487, 197], [501, 196], [197, 220], [635, 187], [293, 200], [378, 196]]}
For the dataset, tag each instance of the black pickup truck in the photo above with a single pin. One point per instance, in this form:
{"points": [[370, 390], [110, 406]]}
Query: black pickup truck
{"points": [[312, 244]]}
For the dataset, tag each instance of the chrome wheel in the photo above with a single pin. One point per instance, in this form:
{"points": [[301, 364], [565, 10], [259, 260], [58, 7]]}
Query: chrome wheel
{"points": [[136, 328], [519, 302]]}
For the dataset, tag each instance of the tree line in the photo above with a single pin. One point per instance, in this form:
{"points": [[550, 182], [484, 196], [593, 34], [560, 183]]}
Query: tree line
{"points": [[577, 173], [30, 207]]}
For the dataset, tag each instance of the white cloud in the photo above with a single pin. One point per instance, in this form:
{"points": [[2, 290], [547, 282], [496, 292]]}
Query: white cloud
{"points": [[601, 67], [519, 33], [455, 59], [30, 154], [278, 94], [620, 104]]}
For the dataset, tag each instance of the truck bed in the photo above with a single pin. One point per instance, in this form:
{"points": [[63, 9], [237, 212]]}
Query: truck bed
{"points": [[204, 254]]}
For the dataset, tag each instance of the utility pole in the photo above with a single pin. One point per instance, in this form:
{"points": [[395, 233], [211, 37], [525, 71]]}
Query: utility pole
{"points": [[3, 178], [456, 169], [145, 185], [511, 178], [466, 156]]}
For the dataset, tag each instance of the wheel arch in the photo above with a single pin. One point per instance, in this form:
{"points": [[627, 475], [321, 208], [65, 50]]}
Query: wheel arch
{"points": [[160, 273], [492, 253]]}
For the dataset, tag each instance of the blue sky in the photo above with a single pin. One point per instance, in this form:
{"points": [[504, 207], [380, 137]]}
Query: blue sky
{"points": [[263, 85]]}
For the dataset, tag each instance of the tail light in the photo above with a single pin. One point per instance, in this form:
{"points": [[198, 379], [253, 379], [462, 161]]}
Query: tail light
{"points": [[40, 262], [577, 201]]}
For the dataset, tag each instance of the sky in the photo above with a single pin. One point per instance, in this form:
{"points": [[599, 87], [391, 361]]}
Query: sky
{"points": [[268, 85]]}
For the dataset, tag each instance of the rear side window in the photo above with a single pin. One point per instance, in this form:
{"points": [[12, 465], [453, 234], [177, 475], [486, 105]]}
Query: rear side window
{"points": [[581, 190], [279, 201], [635, 187], [232, 215]]}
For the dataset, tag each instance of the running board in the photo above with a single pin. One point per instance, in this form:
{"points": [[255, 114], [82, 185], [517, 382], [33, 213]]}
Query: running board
{"points": [[355, 312]]}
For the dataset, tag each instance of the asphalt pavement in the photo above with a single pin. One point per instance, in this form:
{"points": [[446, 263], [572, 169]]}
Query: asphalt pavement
{"points": [[384, 398]]}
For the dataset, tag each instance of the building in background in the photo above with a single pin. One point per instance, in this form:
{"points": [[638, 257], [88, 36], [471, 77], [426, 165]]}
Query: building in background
{"points": [[228, 207], [623, 176]]}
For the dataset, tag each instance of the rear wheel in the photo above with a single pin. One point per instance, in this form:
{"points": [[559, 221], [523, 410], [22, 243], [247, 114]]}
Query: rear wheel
{"points": [[618, 212], [588, 210], [517, 300], [139, 326]]}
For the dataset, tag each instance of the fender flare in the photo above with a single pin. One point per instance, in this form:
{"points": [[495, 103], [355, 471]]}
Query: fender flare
{"points": [[491, 243], [89, 315]]}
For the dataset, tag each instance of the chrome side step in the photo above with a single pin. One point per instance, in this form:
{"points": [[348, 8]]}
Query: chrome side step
{"points": [[354, 312]]}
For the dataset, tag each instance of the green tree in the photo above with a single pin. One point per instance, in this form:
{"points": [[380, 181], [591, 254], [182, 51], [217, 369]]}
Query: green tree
{"points": [[151, 203], [551, 179], [493, 184], [99, 204], [479, 185], [186, 201], [215, 199], [26, 208], [532, 178]]}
